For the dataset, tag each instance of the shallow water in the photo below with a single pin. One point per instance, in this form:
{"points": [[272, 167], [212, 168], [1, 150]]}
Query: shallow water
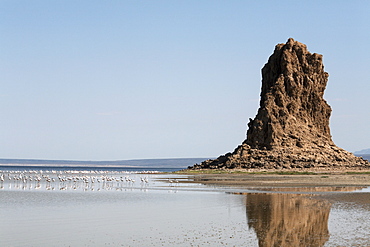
{"points": [[156, 210]]}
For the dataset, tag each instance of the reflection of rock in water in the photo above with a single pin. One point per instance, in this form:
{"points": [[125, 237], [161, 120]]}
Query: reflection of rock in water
{"points": [[288, 220]]}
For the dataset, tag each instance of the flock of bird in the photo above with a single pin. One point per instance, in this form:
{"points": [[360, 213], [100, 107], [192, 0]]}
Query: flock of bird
{"points": [[68, 179], [78, 180]]}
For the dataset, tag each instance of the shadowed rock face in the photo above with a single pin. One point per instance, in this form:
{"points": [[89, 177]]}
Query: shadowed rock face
{"points": [[291, 128]]}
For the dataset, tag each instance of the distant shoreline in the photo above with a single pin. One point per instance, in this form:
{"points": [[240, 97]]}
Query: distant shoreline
{"points": [[79, 167], [170, 163], [174, 163]]}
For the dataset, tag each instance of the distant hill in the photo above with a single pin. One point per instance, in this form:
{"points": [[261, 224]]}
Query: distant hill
{"points": [[365, 156], [139, 163], [363, 151]]}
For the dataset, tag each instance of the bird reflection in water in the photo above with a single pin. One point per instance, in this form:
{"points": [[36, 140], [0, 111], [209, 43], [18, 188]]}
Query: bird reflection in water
{"points": [[288, 219]]}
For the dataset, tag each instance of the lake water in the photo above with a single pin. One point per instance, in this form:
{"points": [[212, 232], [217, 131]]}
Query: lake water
{"points": [[118, 208]]}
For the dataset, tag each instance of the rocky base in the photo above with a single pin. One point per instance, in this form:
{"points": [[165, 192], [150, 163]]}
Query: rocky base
{"points": [[328, 157]]}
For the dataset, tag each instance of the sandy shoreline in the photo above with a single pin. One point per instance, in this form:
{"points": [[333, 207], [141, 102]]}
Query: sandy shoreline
{"points": [[315, 184], [271, 180]]}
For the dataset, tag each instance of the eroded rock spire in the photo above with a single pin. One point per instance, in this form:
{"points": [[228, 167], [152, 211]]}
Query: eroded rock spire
{"points": [[291, 128], [292, 109]]}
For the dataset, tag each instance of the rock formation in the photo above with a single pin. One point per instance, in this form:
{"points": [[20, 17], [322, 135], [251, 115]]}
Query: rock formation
{"points": [[291, 128]]}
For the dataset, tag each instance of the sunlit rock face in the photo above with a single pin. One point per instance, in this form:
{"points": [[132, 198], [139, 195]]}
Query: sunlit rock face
{"points": [[288, 220], [291, 128]]}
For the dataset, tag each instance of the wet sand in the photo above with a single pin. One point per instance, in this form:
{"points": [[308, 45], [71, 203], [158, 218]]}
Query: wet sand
{"points": [[324, 186], [275, 180]]}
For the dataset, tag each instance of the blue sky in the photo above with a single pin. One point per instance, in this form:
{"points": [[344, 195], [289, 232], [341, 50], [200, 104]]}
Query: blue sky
{"points": [[111, 80]]}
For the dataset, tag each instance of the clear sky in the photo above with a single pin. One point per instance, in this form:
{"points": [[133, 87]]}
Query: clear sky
{"points": [[112, 80]]}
